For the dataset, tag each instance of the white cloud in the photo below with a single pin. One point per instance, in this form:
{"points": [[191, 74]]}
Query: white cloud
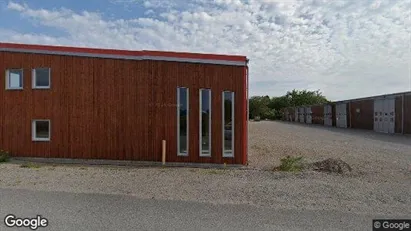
{"points": [[345, 48], [16, 6]]}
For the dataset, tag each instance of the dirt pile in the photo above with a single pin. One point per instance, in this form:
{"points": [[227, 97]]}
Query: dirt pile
{"points": [[330, 165]]}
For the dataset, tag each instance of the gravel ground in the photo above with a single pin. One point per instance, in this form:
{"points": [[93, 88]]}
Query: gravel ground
{"points": [[380, 183]]}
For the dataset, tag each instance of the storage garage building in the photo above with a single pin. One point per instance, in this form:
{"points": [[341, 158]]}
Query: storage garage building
{"points": [[390, 113], [66, 102]]}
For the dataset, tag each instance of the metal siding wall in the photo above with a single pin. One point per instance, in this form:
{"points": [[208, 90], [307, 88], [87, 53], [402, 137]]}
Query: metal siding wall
{"points": [[115, 109], [391, 115], [288, 112], [293, 114], [308, 115], [334, 115], [301, 112], [398, 114], [296, 117], [348, 117], [365, 118], [337, 115], [377, 116], [328, 115], [407, 114], [317, 114]]}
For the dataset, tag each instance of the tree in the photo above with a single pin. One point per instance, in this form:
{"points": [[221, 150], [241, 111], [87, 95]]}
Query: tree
{"points": [[258, 106], [270, 108], [304, 97], [278, 103]]}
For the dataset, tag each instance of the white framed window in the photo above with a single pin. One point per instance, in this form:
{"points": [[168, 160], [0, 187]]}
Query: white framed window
{"points": [[41, 78], [41, 130], [205, 122], [14, 79], [228, 123], [182, 121]]}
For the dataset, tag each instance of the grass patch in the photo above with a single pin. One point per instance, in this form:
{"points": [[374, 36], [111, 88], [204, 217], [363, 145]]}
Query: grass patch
{"points": [[4, 156], [30, 165], [290, 164]]}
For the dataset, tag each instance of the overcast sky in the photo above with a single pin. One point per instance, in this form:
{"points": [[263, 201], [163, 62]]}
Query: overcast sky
{"points": [[347, 49]]}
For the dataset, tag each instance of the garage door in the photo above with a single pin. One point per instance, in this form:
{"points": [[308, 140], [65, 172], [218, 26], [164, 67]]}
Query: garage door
{"points": [[301, 114], [296, 115], [309, 115], [384, 115], [378, 115], [341, 115], [328, 119]]}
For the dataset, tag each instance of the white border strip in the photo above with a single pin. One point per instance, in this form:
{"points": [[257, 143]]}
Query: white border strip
{"points": [[189, 60], [127, 57]]}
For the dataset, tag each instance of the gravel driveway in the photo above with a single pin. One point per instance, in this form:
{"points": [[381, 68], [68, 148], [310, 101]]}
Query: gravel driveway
{"points": [[380, 184], [363, 150]]}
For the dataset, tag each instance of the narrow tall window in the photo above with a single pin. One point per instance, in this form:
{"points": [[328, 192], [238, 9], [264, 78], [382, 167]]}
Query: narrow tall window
{"points": [[182, 121], [41, 78], [14, 79], [205, 122], [228, 124]]}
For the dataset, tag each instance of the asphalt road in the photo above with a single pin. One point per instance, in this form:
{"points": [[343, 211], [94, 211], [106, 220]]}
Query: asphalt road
{"points": [[74, 211]]}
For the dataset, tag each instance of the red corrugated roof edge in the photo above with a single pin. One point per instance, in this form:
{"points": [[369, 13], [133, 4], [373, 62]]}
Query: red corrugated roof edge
{"points": [[186, 55]]}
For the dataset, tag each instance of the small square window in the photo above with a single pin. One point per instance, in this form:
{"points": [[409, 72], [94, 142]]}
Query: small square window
{"points": [[41, 78], [14, 79], [41, 130]]}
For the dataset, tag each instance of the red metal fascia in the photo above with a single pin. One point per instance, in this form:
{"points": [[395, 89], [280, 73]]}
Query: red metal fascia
{"points": [[70, 49], [123, 52]]}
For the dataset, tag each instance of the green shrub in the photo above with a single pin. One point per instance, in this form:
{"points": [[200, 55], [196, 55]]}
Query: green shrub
{"points": [[257, 118], [4, 156], [291, 164]]}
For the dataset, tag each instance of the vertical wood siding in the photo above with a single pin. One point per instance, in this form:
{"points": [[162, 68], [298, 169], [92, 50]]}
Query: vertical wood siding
{"points": [[116, 109]]}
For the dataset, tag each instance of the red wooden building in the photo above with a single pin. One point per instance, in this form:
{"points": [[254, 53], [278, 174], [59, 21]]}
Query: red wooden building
{"points": [[66, 102]]}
